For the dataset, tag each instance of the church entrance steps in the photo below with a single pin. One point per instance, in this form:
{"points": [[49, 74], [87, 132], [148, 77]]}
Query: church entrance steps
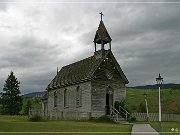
{"points": [[119, 116]]}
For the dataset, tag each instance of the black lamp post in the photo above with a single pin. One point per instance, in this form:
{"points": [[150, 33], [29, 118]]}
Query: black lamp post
{"points": [[159, 83], [145, 97]]}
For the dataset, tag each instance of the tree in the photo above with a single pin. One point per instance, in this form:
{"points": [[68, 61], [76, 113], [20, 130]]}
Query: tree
{"points": [[10, 97], [27, 107]]}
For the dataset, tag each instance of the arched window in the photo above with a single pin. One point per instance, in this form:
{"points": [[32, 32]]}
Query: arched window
{"points": [[55, 98], [65, 98], [78, 97]]}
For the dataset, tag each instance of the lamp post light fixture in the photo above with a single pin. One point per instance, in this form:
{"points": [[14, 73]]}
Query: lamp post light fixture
{"points": [[145, 97], [159, 81]]}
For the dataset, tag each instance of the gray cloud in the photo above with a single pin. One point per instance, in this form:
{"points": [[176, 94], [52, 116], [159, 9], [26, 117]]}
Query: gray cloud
{"points": [[35, 39], [3, 6]]}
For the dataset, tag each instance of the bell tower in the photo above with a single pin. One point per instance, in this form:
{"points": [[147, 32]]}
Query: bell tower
{"points": [[102, 37]]}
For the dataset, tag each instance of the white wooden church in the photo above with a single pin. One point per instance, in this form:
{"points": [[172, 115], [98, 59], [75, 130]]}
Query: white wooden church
{"points": [[89, 87]]}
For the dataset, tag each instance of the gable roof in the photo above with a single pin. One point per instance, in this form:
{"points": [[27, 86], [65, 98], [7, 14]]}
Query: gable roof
{"points": [[102, 34], [81, 71]]}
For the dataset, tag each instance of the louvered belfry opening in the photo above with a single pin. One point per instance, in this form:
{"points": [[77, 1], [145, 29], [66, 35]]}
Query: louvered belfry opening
{"points": [[102, 37]]}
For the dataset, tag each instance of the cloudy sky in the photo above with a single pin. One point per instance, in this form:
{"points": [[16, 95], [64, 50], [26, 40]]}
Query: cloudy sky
{"points": [[36, 38]]}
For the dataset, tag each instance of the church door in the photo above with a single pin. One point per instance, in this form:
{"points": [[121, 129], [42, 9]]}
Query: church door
{"points": [[109, 103]]}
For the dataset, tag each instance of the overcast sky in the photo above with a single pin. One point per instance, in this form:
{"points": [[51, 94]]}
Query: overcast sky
{"points": [[36, 38]]}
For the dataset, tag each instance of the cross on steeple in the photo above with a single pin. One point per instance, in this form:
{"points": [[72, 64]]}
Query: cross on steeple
{"points": [[102, 37], [101, 15]]}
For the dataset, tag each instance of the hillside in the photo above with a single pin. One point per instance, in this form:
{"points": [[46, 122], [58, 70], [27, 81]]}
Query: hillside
{"points": [[34, 94], [169, 99], [164, 86]]}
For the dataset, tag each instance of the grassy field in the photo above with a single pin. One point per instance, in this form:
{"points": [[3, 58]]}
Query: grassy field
{"points": [[21, 124], [170, 101], [167, 127]]}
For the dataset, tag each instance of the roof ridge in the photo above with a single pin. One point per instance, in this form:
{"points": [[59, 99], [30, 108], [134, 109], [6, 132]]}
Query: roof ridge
{"points": [[77, 61]]}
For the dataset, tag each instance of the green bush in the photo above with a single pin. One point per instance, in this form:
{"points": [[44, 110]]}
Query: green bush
{"points": [[132, 119], [35, 118], [116, 105], [104, 118], [122, 103]]}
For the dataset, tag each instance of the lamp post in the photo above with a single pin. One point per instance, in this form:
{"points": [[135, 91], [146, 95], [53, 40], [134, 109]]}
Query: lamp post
{"points": [[145, 97], [159, 83]]}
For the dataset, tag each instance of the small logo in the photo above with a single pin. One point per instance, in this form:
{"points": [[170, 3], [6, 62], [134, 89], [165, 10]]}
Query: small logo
{"points": [[176, 130]]}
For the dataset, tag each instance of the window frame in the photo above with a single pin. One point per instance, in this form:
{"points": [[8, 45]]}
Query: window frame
{"points": [[78, 97], [55, 98], [65, 98]]}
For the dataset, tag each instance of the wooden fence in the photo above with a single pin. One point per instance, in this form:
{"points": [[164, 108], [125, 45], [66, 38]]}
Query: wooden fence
{"points": [[155, 117]]}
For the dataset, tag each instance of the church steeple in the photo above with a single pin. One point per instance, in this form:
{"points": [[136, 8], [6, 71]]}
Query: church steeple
{"points": [[102, 37]]}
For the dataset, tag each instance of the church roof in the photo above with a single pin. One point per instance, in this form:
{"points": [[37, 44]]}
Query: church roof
{"points": [[80, 71], [102, 34], [76, 72]]}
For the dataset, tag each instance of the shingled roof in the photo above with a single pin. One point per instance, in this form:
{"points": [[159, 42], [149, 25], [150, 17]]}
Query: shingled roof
{"points": [[76, 72], [102, 34], [79, 72]]}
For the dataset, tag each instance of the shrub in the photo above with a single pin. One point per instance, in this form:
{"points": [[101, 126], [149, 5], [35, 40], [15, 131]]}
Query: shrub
{"points": [[104, 118], [132, 119], [35, 118], [116, 105], [123, 103]]}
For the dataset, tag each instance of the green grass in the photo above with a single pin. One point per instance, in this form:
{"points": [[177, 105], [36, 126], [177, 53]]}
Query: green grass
{"points": [[170, 102], [167, 126], [21, 124]]}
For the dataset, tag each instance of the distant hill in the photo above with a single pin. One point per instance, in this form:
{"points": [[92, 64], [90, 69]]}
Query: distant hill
{"points": [[164, 86], [34, 94], [170, 102]]}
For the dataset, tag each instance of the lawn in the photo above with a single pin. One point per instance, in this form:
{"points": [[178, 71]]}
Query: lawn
{"points": [[169, 128], [21, 124], [169, 100]]}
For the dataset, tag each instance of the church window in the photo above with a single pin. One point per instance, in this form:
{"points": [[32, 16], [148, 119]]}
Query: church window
{"points": [[55, 99], [65, 98], [78, 97], [109, 74]]}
